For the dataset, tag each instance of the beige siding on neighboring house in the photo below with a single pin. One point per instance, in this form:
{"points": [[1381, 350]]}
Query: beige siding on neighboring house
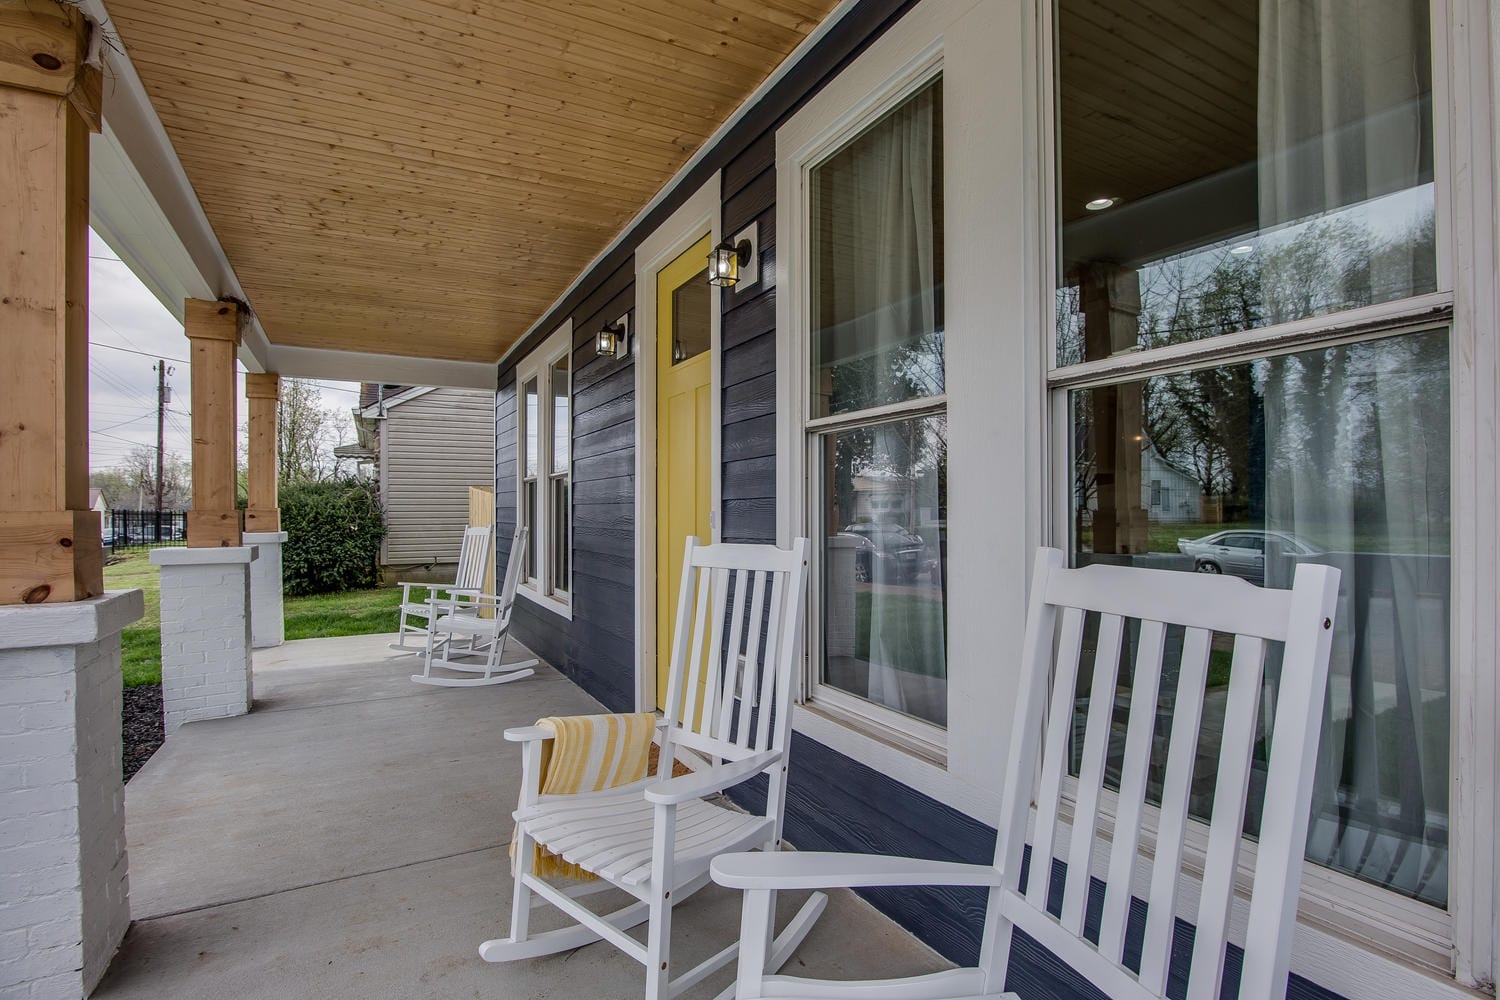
{"points": [[432, 449]]}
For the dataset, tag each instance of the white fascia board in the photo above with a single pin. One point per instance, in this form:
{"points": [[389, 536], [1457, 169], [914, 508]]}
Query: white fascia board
{"points": [[349, 366]]}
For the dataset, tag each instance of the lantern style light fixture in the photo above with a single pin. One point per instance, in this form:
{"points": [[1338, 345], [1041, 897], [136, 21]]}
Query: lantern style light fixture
{"points": [[733, 263], [614, 338]]}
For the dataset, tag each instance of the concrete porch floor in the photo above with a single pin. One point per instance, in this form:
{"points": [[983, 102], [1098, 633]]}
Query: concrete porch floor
{"points": [[348, 839]]}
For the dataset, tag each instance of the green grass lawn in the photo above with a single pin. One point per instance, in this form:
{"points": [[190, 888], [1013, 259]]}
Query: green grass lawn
{"points": [[356, 612]]}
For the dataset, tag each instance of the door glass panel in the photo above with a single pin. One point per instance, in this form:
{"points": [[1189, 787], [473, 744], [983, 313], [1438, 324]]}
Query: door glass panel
{"points": [[1338, 456], [1229, 165], [691, 318], [877, 269], [884, 562]]}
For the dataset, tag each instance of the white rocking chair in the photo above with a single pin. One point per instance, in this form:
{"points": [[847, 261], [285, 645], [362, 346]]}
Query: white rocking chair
{"points": [[655, 839], [1060, 598], [473, 624], [468, 582]]}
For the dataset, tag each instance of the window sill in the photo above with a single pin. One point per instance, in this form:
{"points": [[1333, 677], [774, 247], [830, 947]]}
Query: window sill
{"points": [[561, 608]]}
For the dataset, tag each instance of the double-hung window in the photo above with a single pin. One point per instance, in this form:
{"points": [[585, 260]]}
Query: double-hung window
{"points": [[544, 429], [874, 441], [1248, 300]]}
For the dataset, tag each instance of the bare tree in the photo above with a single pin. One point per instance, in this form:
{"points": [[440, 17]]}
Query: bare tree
{"points": [[306, 434], [132, 483]]}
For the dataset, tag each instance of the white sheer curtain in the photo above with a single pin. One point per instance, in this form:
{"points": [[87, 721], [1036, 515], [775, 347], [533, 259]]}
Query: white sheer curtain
{"points": [[876, 210], [878, 283], [1357, 436]]}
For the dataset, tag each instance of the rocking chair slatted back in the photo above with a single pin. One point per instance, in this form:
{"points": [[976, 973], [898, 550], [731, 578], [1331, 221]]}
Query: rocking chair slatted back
{"points": [[734, 650], [1062, 601], [473, 558], [512, 578]]}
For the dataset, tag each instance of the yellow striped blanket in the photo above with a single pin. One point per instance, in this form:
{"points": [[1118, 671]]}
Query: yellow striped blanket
{"points": [[589, 754]]}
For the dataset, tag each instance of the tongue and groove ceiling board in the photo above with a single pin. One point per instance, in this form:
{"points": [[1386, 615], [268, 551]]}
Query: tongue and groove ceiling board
{"points": [[424, 177]]}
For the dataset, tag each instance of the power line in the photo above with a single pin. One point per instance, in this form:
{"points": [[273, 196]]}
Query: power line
{"points": [[122, 423], [116, 437], [144, 354]]}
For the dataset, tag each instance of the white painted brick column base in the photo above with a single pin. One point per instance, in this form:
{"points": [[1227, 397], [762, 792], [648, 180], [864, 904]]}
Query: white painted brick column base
{"points": [[205, 633], [267, 619], [64, 894]]}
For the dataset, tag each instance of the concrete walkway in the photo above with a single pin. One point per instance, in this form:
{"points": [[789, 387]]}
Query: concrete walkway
{"points": [[347, 839]]}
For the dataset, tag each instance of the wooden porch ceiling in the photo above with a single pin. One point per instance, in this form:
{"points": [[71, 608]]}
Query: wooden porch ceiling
{"points": [[424, 177]]}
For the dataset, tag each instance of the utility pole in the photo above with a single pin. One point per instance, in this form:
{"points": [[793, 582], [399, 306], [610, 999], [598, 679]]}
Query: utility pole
{"points": [[163, 396]]}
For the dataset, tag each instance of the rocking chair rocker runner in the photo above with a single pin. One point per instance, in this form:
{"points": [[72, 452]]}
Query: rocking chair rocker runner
{"points": [[473, 557], [1301, 619], [459, 626], [729, 699]]}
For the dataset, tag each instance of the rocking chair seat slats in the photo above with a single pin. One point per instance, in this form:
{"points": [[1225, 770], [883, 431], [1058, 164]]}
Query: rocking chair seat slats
{"points": [[611, 835]]}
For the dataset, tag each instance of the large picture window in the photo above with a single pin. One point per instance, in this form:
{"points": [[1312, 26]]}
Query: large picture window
{"points": [[1244, 167], [876, 436], [544, 429]]}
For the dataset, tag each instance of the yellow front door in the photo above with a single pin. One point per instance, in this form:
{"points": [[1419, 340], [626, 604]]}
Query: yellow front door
{"points": [[683, 454]]}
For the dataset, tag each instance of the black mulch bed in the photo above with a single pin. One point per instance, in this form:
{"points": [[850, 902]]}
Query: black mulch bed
{"points": [[141, 725]]}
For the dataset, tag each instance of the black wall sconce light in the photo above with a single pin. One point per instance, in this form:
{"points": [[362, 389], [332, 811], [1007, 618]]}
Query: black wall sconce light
{"points": [[735, 263], [614, 338]]}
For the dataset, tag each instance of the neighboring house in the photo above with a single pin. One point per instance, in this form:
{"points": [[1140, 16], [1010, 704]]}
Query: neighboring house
{"points": [[425, 446], [97, 501], [1169, 493]]}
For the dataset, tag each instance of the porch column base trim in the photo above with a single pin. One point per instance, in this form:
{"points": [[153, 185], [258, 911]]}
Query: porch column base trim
{"points": [[267, 616], [259, 520], [213, 529], [63, 842], [205, 633], [48, 557]]}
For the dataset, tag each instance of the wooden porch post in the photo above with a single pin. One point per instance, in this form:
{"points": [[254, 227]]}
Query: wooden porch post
{"points": [[49, 103], [263, 513], [1111, 303], [213, 331]]}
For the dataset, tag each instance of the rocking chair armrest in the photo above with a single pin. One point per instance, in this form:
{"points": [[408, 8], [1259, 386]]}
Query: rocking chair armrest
{"points": [[819, 870], [675, 791], [528, 734]]}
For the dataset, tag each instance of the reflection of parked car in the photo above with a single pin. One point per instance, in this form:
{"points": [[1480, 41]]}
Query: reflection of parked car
{"points": [[889, 552], [1242, 553]]}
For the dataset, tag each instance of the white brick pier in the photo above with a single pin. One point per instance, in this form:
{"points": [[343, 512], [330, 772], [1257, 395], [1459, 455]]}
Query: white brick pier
{"points": [[205, 633], [64, 903], [267, 618]]}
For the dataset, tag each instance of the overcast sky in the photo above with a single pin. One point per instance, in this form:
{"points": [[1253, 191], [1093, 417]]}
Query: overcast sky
{"points": [[128, 331]]}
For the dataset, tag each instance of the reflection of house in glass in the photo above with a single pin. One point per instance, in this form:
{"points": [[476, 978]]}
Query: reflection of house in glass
{"points": [[1170, 493]]}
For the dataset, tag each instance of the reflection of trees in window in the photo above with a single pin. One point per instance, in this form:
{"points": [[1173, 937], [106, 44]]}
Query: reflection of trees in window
{"points": [[1202, 419], [1329, 265]]}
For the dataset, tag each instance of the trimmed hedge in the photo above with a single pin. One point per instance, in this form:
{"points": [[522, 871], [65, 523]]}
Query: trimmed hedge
{"points": [[333, 531]]}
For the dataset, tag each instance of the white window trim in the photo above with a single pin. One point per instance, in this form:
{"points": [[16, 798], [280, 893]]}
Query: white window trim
{"points": [[917, 736], [538, 365], [1353, 937], [983, 163]]}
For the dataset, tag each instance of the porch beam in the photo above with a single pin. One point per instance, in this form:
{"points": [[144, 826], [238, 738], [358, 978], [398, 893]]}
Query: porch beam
{"points": [[213, 331], [262, 392], [49, 103]]}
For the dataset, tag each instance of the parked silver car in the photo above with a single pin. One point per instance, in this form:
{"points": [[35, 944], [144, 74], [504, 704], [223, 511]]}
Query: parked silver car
{"points": [[1243, 552]]}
